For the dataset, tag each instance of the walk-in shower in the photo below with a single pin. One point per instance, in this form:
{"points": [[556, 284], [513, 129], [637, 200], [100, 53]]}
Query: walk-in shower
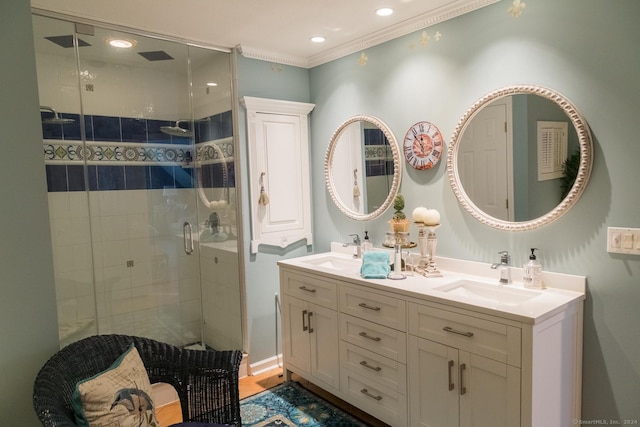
{"points": [[136, 147]]}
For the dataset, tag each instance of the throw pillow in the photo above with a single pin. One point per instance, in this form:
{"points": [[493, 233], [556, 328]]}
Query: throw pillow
{"points": [[118, 396]]}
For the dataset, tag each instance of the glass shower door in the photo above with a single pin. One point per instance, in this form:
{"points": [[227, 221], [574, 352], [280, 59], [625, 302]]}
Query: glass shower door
{"points": [[121, 182]]}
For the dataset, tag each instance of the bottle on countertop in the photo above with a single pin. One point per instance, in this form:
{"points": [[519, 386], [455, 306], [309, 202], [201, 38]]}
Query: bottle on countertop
{"points": [[366, 244], [532, 274]]}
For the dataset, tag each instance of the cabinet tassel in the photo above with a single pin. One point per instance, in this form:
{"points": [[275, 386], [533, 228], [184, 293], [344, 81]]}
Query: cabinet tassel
{"points": [[263, 199], [356, 189]]}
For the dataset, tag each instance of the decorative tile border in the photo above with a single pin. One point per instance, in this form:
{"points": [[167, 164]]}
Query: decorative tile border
{"points": [[377, 152], [73, 152]]}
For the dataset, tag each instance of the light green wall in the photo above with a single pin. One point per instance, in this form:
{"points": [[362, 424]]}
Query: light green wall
{"points": [[28, 325], [586, 50], [264, 80]]}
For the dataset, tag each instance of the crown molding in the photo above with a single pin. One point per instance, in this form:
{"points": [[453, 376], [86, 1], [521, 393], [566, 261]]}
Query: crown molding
{"points": [[269, 56], [445, 13]]}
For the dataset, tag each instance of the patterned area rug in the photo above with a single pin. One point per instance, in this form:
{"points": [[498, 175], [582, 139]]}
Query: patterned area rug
{"points": [[291, 405]]}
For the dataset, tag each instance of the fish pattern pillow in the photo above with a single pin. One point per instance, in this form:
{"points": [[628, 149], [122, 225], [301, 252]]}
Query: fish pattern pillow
{"points": [[116, 397]]}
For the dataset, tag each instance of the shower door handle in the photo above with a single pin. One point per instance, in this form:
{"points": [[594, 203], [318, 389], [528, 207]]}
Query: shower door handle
{"points": [[187, 236]]}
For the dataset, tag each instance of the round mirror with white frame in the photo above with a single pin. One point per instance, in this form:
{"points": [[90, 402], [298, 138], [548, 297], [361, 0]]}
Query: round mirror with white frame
{"points": [[363, 167], [506, 160]]}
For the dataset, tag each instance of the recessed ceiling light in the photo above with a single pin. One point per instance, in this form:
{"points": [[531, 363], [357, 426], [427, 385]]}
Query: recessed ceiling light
{"points": [[121, 43], [385, 11], [318, 39]]}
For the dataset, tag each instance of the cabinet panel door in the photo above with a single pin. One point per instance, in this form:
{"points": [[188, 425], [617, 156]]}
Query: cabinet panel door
{"points": [[323, 331], [433, 384], [492, 395], [296, 334]]}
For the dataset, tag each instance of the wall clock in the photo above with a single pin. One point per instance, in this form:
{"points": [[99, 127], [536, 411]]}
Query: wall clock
{"points": [[423, 145]]}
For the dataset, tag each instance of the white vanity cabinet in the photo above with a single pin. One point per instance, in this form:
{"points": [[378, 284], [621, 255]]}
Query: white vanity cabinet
{"points": [[310, 328], [411, 355], [465, 369]]}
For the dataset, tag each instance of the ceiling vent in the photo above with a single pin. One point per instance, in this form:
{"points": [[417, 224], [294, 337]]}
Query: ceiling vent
{"points": [[156, 55], [66, 41]]}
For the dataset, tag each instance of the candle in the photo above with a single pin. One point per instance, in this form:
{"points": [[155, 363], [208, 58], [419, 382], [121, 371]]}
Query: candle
{"points": [[419, 214], [431, 217]]}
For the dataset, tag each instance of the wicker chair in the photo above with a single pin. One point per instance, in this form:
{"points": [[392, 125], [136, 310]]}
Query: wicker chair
{"points": [[206, 381]]}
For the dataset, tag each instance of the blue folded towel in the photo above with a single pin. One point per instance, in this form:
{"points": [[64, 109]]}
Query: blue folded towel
{"points": [[375, 265]]}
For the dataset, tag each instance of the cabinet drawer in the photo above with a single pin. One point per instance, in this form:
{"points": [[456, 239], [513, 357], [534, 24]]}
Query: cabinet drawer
{"points": [[382, 309], [484, 337], [384, 404], [376, 338], [309, 288], [386, 372]]}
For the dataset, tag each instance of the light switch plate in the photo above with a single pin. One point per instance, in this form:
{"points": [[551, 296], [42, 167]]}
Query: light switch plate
{"points": [[623, 240]]}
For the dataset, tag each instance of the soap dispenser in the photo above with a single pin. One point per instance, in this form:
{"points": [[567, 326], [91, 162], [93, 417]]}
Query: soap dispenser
{"points": [[366, 244], [532, 274]]}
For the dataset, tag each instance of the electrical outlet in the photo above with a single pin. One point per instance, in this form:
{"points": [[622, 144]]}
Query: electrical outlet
{"points": [[622, 240]]}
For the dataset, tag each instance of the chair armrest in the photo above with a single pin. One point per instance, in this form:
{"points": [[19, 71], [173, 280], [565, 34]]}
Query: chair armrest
{"points": [[212, 386], [206, 380]]}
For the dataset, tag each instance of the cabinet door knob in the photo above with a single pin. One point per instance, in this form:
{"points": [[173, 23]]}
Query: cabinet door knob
{"points": [[451, 385], [309, 319], [463, 389], [304, 327]]}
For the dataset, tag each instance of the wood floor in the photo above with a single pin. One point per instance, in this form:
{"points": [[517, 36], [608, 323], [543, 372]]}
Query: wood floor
{"points": [[251, 385]]}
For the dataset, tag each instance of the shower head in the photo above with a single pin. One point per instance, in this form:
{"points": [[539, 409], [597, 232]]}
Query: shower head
{"points": [[55, 120], [177, 130]]}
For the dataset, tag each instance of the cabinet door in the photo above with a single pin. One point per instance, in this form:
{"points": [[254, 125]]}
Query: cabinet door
{"points": [[323, 331], [433, 384], [297, 350], [489, 392]]}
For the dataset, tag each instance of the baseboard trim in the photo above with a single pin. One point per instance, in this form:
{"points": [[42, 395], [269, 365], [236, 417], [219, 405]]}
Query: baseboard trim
{"points": [[257, 368]]}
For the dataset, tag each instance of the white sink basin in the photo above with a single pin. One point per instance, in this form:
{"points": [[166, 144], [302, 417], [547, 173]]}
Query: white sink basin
{"points": [[335, 263], [488, 293]]}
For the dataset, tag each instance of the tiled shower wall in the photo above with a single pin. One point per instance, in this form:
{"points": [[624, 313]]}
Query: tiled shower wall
{"points": [[126, 233]]}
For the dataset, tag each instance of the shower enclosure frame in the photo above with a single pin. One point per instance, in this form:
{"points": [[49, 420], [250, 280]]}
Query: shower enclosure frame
{"points": [[82, 24]]}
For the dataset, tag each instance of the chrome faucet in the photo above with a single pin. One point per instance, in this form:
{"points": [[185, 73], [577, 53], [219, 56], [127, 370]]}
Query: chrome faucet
{"points": [[503, 267], [355, 242]]}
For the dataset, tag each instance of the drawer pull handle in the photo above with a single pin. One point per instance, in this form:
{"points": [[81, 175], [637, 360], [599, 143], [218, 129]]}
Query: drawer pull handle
{"points": [[373, 368], [364, 335], [463, 389], [451, 385], [453, 331], [366, 393], [304, 327], [368, 307], [304, 288]]}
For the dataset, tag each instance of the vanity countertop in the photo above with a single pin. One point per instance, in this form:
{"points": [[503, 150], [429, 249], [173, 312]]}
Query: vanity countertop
{"points": [[534, 306]]}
